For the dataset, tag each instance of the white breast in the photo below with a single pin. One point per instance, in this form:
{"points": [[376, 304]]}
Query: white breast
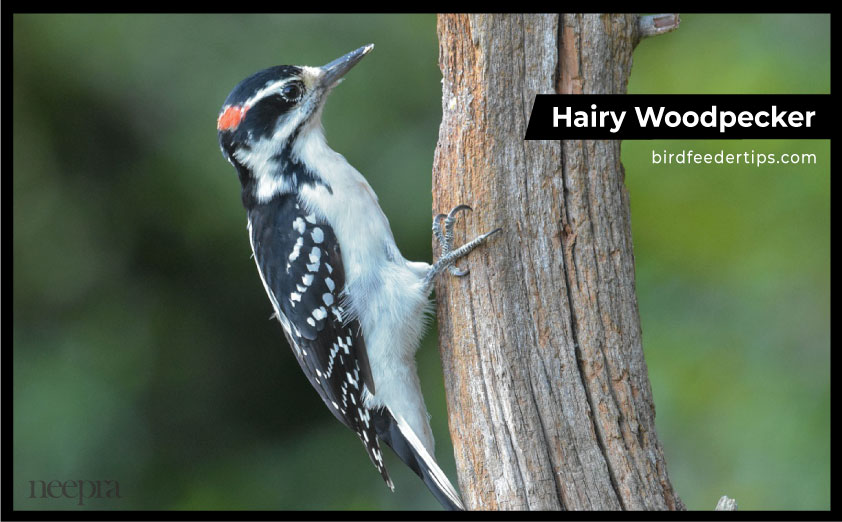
{"points": [[383, 290]]}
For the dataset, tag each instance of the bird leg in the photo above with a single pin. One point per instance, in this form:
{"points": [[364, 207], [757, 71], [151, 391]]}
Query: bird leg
{"points": [[444, 235]]}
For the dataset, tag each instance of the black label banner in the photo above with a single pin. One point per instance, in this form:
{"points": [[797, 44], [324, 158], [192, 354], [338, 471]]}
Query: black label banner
{"points": [[679, 116]]}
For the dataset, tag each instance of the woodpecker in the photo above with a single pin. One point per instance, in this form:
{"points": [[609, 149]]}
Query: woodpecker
{"points": [[351, 306]]}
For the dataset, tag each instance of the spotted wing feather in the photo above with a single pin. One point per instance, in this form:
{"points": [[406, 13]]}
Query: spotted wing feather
{"points": [[299, 260]]}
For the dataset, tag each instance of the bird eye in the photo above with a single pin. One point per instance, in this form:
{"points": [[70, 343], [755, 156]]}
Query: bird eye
{"points": [[291, 91]]}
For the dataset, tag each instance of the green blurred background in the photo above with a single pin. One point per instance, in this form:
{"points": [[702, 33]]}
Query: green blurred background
{"points": [[143, 350]]}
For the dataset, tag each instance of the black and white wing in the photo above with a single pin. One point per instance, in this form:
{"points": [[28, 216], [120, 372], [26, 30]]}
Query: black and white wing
{"points": [[299, 260]]}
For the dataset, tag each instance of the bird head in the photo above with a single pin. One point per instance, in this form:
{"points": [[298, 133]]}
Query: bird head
{"points": [[268, 111]]}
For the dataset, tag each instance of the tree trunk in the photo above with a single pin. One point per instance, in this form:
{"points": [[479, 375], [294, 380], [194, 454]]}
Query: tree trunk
{"points": [[549, 400]]}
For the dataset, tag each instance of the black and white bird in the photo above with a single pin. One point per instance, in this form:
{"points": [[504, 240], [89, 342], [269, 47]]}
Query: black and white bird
{"points": [[351, 307]]}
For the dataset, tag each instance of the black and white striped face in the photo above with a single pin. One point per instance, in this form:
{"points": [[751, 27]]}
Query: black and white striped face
{"points": [[269, 105], [269, 109]]}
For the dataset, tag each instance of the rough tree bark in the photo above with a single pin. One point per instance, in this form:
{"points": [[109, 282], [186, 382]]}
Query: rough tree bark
{"points": [[549, 400]]}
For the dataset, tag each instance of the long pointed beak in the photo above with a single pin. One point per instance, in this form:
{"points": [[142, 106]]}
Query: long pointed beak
{"points": [[336, 69]]}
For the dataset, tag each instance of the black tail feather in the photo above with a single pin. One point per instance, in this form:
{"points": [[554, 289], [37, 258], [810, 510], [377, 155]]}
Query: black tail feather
{"points": [[397, 434]]}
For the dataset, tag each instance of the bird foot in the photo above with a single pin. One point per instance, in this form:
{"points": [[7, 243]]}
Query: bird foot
{"points": [[444, 235]]}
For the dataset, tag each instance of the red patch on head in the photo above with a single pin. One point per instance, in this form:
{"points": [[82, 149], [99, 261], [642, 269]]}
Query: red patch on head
{"points": [[231, 117]]}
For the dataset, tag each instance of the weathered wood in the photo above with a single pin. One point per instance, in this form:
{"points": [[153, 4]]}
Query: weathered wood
{"points": [[653, 25], [726, 504], [550, 405]]}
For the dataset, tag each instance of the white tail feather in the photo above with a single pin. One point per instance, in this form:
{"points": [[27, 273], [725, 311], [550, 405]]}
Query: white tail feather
{"points": [[438, 475]]}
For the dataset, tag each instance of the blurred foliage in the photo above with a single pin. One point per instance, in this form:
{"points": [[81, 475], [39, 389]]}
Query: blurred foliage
{"points": [[143, 350], [733, 272]]}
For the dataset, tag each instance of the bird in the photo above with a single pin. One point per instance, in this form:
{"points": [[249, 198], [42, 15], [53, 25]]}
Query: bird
{"points": [[352, 308]]}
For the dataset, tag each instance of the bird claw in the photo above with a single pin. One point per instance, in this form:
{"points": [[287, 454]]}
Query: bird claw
{"points": [[459, 273], [444, 235]]}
